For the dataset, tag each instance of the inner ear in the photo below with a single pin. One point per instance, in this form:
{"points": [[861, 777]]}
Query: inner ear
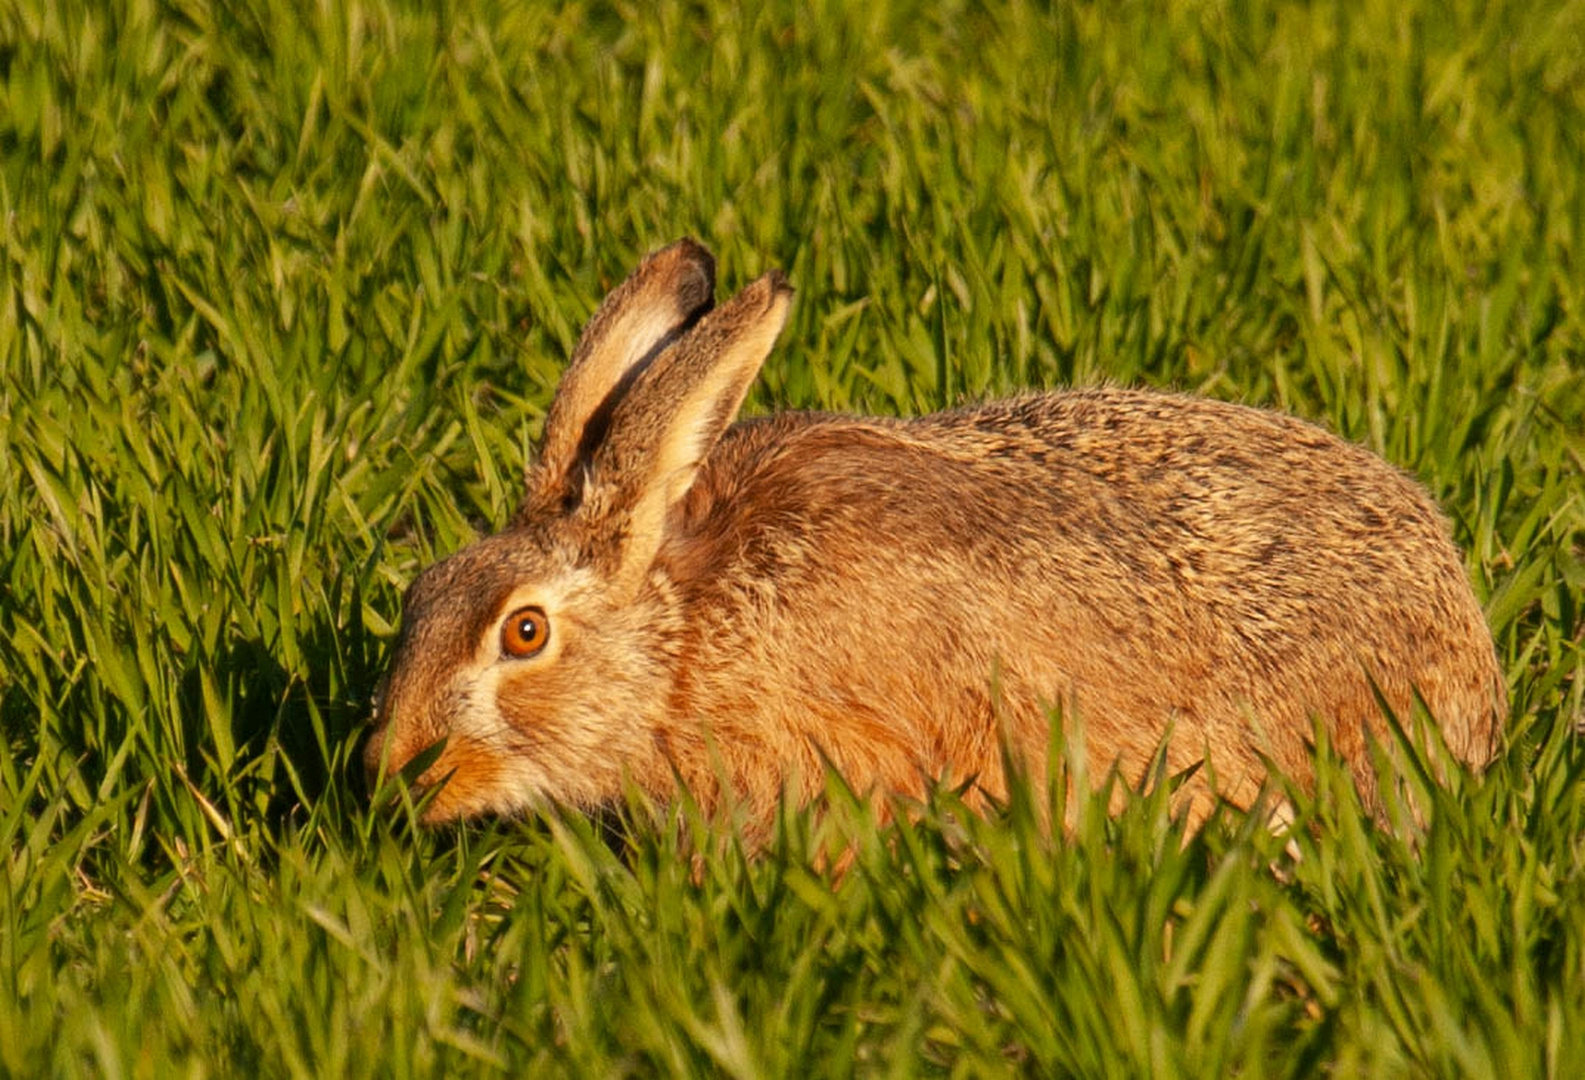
{"points": [[635, 324], [598, 425], [661, 432]]}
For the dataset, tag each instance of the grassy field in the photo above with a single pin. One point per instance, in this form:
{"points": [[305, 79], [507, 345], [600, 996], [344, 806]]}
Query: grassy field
{"points": [[286, 288]]}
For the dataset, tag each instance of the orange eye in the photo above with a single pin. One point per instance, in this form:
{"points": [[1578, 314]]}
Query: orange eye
{"points": [[525, 632]]}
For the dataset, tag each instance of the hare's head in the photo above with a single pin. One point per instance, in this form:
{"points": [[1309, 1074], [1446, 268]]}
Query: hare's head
{"points": [[538, 660]]}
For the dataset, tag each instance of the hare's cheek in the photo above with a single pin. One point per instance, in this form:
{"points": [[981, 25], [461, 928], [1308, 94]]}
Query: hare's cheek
{"points": [[531, 704], [559, 719], [474, 712]]}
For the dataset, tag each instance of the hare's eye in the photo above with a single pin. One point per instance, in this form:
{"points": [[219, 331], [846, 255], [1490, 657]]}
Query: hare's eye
{"points": [[525, 632]]}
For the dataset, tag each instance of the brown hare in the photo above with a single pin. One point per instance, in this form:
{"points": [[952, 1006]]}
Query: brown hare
{"points": [[733, 605]]}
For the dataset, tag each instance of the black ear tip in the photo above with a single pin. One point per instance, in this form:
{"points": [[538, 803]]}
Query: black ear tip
{"points": [[693, 270], [776, 284], [689, 250]]}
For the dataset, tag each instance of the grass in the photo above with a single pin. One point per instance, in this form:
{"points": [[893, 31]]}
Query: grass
{"points": [[286, 288]]}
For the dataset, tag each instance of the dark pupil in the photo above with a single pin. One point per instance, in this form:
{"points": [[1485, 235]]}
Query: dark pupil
{"points": [[527, 629]]}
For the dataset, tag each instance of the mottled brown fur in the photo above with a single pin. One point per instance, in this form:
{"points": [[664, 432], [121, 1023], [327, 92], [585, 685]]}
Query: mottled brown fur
{"points": [[748, 602]]}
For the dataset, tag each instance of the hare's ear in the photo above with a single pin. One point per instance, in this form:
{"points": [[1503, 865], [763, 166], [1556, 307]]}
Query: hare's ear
{"points": [[670, 290], [666, 424]]}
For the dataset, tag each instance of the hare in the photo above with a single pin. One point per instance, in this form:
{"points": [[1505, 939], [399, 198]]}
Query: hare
{"points": [[732, 606]]}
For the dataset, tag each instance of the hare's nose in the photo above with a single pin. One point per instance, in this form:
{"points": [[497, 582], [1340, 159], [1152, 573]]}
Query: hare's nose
{"points": [[374, 754], [374, 744]]}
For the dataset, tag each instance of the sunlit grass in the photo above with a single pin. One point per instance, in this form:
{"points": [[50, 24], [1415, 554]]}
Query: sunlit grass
{"points": [[287, 288]]}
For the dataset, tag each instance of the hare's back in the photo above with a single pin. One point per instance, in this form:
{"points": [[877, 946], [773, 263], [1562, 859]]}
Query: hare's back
{"points": [[1198, 487], [1161, 496]]}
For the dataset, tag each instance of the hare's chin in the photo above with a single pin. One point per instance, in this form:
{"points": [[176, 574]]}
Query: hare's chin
{"points": [[475, 782]]}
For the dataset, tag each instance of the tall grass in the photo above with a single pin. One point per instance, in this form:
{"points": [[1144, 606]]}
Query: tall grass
{"points": [[287, 287]]}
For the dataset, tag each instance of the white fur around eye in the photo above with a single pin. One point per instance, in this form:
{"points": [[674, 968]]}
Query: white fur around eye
{"points": [[560, 599], [480, 718]]}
